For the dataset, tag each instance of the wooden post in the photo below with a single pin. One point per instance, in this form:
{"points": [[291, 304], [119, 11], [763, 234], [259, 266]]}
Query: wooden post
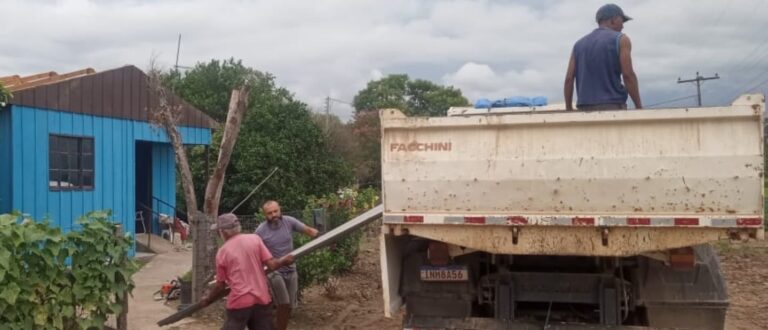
{"points": [[122, 318]]}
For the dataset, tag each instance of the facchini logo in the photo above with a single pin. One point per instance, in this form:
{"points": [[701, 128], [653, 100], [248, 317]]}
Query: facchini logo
{"points": [[418, 146]]}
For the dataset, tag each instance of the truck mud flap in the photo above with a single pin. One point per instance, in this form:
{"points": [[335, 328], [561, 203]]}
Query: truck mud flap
{"points": [[693, 298], [417, 322]]}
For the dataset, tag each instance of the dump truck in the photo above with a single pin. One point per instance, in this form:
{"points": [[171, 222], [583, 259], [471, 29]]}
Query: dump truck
{"points": [[517, 217]]}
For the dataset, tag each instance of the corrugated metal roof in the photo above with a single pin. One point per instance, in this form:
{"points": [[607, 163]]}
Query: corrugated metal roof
{"points": [[119, 93]]}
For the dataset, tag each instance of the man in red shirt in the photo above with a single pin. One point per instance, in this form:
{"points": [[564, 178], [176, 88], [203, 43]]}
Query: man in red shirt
{"points": [[240, 265]]}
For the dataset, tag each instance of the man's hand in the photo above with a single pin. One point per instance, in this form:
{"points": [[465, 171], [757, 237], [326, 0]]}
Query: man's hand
{"points": [[287, 260], [275, 264], [309, 231], [217, 288]]}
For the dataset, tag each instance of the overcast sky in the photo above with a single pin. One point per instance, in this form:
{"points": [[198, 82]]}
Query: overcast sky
{"points": [[488, 49]]}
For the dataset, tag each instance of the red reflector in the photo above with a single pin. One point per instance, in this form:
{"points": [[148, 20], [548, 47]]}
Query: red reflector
{"points": [[517, 220], [477, 220], [583, 221], [638, 221], [682, 258], [749, 222], [686, 221], [414, 218]]}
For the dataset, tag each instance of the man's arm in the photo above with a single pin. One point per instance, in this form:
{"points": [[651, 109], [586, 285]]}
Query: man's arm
{"points": [[627, 72], [570, 75], [301, 227], [215, 291], [309, 231], [275, 264]]}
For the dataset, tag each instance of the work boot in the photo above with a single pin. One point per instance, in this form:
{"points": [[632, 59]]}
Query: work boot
{"points": [[283, 314]]}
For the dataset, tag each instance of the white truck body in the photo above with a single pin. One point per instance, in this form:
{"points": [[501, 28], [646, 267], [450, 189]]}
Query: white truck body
{"points": [[555, 182]]}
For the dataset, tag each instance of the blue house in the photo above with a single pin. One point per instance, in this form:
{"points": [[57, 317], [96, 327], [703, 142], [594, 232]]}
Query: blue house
{"points": [[83, 141]]}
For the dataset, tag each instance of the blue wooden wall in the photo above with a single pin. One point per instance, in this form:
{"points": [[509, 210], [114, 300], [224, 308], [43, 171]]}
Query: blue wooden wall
{"points": [[5, 160], [163, 181], [115, 170]]}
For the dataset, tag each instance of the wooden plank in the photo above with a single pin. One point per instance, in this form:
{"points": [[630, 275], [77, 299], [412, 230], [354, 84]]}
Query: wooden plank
{"points": [[125, 93], [108, 94], [143, 97], [75, 94], [86, 95], [64, 96], [135, 105], [51, 100], [98, 95]]}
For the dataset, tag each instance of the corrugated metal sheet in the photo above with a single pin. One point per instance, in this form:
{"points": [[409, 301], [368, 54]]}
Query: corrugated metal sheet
{"points": [[118, 93], [115, 173], [5, 160]]}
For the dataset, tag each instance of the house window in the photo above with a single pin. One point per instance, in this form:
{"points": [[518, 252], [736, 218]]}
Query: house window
{"points": [[70, 163]]}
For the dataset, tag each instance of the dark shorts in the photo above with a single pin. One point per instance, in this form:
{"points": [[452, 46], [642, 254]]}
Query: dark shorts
{"points": [[607, 106], [284, 288], [254, 317]]}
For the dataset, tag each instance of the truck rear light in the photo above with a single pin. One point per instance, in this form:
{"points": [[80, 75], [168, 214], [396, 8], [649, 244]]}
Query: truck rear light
{"points": [[414, 219], [682, 258], [437, 253]]}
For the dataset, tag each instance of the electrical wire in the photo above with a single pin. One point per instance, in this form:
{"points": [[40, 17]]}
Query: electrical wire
{"points": [[670, 101]]}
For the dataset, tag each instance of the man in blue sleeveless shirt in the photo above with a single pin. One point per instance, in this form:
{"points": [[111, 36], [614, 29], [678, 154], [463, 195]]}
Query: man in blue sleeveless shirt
{"points": [[598, 62]]}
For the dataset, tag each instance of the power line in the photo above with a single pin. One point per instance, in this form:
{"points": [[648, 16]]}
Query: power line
{"points": [[672, 100], [758, 85], [328, 103], [699, 79]]}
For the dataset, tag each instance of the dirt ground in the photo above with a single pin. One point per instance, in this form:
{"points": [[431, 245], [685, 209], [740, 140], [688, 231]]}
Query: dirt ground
{"points": [[746, 272], [357, 302]]}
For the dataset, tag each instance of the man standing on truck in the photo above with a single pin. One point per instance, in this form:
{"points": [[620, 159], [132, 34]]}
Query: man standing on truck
{"points": [[240, 265], [598, 62], [277, 235]]}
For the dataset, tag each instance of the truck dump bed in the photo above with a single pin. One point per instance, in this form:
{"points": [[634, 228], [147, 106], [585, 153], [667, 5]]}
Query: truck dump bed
{"points": [[603, 183]]}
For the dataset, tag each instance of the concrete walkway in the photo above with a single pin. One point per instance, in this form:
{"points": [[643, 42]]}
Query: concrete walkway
{"points": [[143, 310]]}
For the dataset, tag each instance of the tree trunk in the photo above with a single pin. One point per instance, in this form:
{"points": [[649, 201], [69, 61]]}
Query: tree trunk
{"points": [[204, 240], [238, 103]]}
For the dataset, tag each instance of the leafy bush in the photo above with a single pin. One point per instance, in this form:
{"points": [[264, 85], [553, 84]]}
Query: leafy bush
{"points": [[320, 265], [5, 95], [62, 281]]}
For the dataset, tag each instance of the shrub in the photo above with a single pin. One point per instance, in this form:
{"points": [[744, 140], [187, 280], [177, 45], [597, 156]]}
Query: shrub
{"points": [[62, 281], [339, 208]]}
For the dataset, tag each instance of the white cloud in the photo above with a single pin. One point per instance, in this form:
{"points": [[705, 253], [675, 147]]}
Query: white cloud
{"points": [[333, 47]]}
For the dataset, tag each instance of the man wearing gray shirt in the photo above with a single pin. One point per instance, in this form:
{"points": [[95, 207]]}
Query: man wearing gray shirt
{"points": [[277, 234]]}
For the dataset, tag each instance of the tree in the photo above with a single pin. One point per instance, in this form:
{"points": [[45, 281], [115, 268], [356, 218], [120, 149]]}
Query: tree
{"points": [[166, 114], [413, 97], [278, 131], [338, 135]]}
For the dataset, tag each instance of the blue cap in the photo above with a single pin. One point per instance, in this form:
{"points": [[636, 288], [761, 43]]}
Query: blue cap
{"points": [[610, 11]]}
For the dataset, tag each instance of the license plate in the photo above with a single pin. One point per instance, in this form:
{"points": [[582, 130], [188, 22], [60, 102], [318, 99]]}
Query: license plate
{"points": [[456, 273]]}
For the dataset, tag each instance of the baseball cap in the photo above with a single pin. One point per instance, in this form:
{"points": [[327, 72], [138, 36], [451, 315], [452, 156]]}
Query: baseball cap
{"points": [[610, 11], [225, 221]]}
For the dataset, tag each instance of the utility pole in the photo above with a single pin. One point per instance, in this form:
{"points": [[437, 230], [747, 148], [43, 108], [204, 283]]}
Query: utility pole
{"points": [[178, 48], [698, 81], [327, 113]]}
